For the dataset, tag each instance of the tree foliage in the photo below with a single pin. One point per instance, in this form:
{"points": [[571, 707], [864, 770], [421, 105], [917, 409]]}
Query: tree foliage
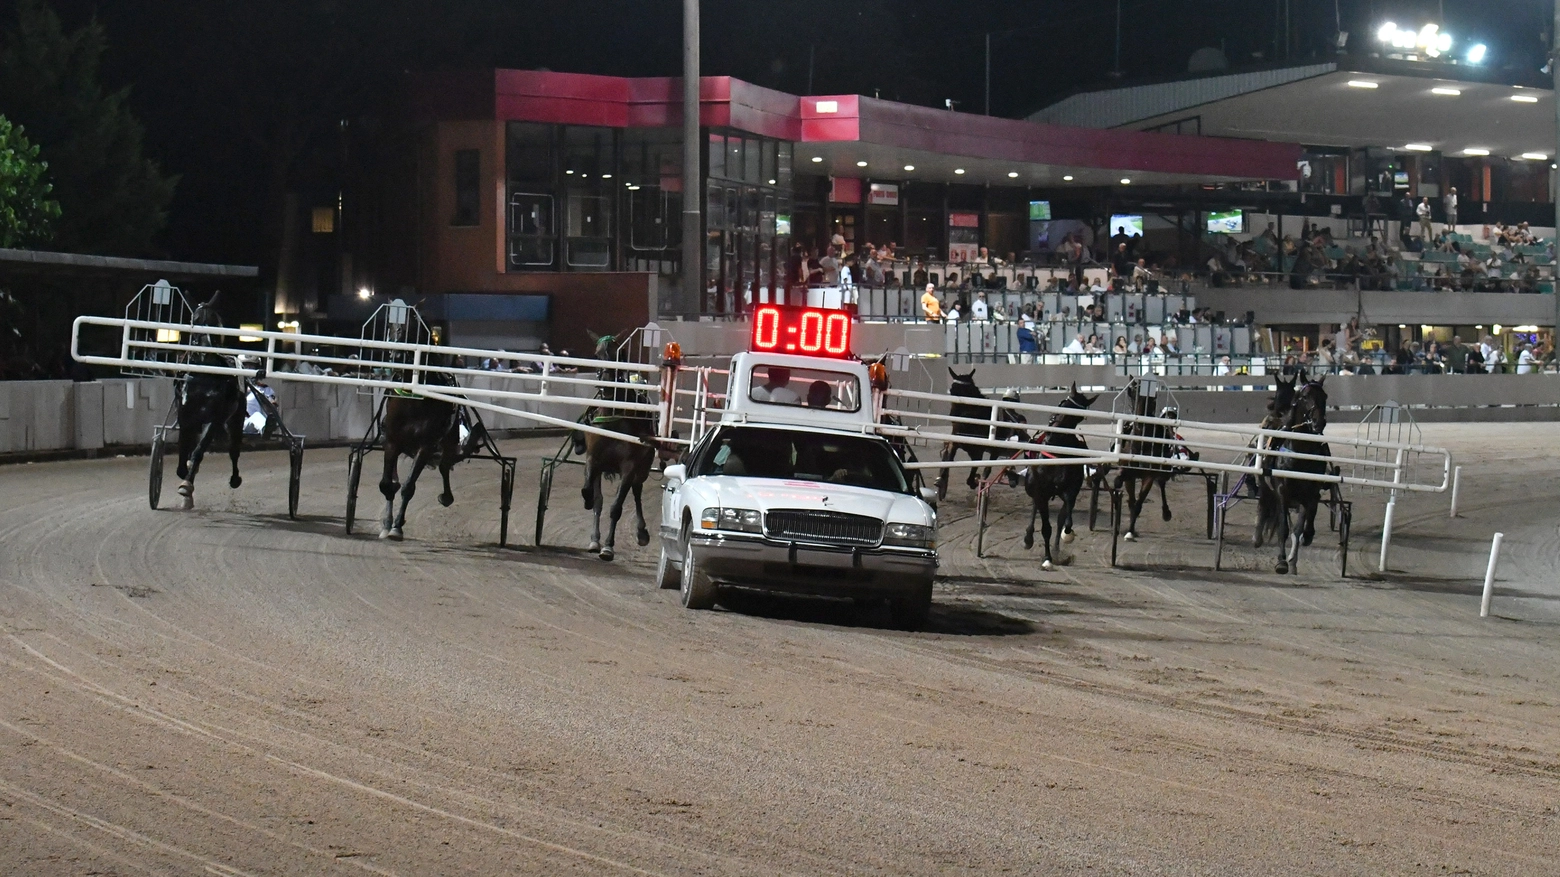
{"points": [[27, 212], [114, 199]]}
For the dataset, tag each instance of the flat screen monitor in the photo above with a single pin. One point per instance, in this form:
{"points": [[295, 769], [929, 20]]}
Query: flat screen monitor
{"points": [[1127, 223], [1039, 211], [1226, 222]]}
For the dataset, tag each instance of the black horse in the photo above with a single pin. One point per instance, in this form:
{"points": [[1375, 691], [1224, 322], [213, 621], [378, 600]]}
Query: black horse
{"points": [[628, 459], [1278, 495], [209, 405], [1147, 440], [1278, 409], [1042, 483], [426, 430], [964, 386]]}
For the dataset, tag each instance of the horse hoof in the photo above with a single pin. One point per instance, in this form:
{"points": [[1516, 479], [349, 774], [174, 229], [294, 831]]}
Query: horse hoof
{"points": [[384, 532], [1068, 537], [189, 502], [593, 547], [235, 481], [606, 554], [1165, 514], [1281, 567], [446, 499], [589, 501], [1129, 536], [186, 489], [642, 537], [1047, 566], [1029, 541]]}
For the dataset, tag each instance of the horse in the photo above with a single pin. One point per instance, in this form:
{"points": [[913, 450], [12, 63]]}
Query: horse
{"points": [[964, 386], [208, 405], [1277, 413], [628, 459], [424, 430], [1277, 495], [1147, 440], [1042, 483]]}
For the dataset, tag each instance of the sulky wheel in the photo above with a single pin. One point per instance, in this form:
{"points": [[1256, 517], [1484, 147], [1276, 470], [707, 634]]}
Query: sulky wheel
{"points": [[354, 475], [544, 490], [506, 489], [154, 482], [1345, 514], [294, 477]]}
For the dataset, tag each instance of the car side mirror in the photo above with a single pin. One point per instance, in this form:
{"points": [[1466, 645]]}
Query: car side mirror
{"points": [[675, 474], [929, 496]]}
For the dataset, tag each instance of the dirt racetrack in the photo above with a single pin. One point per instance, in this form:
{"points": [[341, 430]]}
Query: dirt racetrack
{"points": [[226, 691]]}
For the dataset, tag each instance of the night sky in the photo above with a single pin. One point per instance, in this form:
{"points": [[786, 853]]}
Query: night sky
{"points": [[244, 98]]}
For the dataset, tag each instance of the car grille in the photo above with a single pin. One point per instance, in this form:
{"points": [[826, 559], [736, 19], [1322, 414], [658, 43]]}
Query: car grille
{"points": [[828, 527]]}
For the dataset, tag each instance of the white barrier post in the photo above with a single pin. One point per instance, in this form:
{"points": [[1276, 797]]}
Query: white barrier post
{"points": [[1456, 482], [1489, 576], [1386, 532]]}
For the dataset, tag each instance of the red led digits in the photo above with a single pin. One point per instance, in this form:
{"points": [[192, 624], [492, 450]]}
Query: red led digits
{"points": [[801, 331]]}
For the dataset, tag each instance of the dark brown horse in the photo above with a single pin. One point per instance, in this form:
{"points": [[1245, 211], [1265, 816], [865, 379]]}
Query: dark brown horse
{"points": [[208, 405], [627, 459], [426, 430]]}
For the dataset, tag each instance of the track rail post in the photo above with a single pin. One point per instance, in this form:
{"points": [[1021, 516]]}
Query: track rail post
{"points": [[1489, 576], [1456, 484]]}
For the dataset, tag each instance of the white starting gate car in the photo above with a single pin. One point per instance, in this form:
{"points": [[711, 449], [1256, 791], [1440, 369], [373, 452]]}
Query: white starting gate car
{"points": [[793, 490]]}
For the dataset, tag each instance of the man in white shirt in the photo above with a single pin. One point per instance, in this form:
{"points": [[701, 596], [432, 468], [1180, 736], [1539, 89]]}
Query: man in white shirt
{"points": [[1450, 203], [1423, 211], [978, 309], [777, 388], [1075, 345], [1527, 362]]}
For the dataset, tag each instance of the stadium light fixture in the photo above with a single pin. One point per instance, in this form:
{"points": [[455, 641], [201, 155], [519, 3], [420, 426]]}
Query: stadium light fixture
{"points": [[1476, 150], [1363, 83], [861, 164], [909, 167], [1067, 179], [1476, 54], [959, 171], [1535, 156], [817, 158], [1418, 147], [1525, 98], [1126, 181], [1443, 90], [1012, 175]]}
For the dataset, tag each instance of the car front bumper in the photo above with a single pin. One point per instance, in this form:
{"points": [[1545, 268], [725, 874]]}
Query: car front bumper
{"points": [[805, 568]]}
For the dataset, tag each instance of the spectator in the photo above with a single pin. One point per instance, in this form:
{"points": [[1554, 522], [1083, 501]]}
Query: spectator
{"points": [[777, 387], [1027, 348], [1528, 361], [1423, 211], [979, 312], [1450, 205], [931, 307], [1121, 348], [1455, 357], [1077, 345]]}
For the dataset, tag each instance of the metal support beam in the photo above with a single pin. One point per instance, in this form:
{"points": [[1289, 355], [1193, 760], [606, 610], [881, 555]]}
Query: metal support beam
{"points": [[693, 174]]}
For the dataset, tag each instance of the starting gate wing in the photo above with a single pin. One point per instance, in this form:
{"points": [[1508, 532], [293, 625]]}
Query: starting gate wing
{"points": [[162, 304], [1361, 461]]}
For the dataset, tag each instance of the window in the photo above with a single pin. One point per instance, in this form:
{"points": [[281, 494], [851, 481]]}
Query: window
{"points": [[323, 220], [531, 230], [755, 452], [468, 187], [588, 231], [810, 388]]}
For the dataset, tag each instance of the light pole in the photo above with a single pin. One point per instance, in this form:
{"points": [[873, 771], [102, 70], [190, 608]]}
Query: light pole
{"points": [[693, 188]]}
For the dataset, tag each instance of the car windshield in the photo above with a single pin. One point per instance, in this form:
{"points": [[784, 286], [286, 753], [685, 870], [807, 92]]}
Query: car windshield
{"points": [[803, 456]]}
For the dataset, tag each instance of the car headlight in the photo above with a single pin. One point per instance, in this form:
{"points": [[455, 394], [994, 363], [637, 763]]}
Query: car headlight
{"points": [[910, 536], [734, 520]]}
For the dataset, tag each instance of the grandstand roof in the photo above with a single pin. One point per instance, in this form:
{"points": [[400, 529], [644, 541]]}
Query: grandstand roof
{"points": [[1316, 105]]}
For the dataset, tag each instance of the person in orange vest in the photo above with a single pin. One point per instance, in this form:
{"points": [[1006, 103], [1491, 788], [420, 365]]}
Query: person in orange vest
{"points": [[931, 307]]}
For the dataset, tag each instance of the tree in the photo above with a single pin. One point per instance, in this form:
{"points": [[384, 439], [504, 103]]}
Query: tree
{"points": [[113, 199], [27, 213]]}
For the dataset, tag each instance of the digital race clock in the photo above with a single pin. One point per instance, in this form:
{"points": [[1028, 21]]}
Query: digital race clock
{"points": [[801, 331]]}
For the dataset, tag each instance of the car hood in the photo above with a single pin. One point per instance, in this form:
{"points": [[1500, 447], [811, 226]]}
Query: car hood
{"points": [[765, 494]]}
